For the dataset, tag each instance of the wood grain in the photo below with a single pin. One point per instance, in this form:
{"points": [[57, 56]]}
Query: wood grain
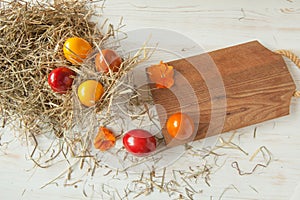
{"points": [[226, 89]]}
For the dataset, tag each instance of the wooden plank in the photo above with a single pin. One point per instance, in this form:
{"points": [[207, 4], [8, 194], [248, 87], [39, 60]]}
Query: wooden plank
{"points": [[226, 89]]}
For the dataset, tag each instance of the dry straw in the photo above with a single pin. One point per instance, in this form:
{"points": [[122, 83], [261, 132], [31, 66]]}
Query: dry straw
{"points": [[31, 40], [32, 36]]}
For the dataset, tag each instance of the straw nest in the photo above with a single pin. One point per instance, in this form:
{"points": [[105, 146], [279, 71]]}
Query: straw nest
{"points": [[31, 40]]}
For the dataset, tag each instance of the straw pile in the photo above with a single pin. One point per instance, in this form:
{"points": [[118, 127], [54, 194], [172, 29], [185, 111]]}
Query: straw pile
{"points": [[31, 41]]}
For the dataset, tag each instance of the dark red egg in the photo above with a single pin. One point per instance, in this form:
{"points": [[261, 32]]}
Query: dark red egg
{"points": [[61, 79], [139, 142]]}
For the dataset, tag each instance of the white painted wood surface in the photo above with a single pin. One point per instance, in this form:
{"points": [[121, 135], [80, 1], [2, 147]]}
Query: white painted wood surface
{"points": [[212, 25]]}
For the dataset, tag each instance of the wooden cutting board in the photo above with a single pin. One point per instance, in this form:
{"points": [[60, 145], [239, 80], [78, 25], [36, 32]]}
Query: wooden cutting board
{"points": [[226, 89]]}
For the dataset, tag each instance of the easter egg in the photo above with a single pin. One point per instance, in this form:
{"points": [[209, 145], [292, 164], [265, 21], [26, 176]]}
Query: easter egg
{"points": [[107, 59], [139, 142], [61, 79], [76, 50], [89, 92], [180, 126]]}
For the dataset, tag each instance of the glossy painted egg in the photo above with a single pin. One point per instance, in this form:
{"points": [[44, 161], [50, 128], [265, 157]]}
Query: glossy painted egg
{"points": [[76, 50], [180, 126], [139, 142], [107, 59], [89, 92], [61, 79]]}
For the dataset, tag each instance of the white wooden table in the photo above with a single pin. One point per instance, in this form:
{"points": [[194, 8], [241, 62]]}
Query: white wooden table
{"points": [[212, 25]]}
